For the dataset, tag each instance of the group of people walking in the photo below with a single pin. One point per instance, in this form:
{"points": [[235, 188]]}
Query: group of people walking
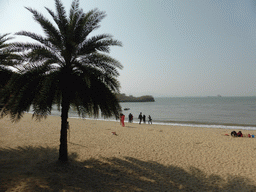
{"points": [[130, 118], [143, 118]]}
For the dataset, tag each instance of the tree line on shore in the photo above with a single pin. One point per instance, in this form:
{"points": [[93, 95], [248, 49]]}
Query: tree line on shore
{"points": [[145, 98]]}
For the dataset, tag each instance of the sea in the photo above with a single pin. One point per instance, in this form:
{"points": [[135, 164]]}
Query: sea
{"points": [[207, 112]]}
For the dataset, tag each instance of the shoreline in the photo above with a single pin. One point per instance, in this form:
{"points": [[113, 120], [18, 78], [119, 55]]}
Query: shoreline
{"points": [[136, 158], [184, 124], [173, 123]]}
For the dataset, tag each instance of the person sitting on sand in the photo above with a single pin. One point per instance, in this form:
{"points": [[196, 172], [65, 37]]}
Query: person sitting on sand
{"points": [[239, 134], [234, 134]]}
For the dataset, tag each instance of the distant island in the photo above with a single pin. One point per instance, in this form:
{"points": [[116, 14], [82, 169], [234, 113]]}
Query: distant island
{"points": [[123, 98]]}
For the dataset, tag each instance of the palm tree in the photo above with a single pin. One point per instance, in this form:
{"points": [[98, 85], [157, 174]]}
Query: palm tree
{"points": [[67, 67]]}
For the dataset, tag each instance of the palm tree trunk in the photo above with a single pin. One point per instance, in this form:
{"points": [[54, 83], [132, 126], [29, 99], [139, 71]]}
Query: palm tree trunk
{"points": [[63, 151]]}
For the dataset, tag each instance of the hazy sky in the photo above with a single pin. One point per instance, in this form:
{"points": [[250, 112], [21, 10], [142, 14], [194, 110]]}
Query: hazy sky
{"points": [[170, 47]]}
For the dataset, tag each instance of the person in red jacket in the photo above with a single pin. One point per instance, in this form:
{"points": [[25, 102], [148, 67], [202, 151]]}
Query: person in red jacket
{"points": [[239, 134], [122, 117]]}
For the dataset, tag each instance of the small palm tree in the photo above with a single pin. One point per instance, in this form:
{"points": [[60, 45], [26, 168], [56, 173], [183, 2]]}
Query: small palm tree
{"points": [[67, 68]]}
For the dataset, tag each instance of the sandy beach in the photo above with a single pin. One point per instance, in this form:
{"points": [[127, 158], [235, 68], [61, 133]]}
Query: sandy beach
{"points": [[137, 158]]}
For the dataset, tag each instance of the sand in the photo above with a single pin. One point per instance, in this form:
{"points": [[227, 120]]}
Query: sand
{"points": [[137, 158]]}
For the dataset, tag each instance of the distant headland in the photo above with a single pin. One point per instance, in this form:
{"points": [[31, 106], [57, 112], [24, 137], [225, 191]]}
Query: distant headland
{"points": [[145, 98]]}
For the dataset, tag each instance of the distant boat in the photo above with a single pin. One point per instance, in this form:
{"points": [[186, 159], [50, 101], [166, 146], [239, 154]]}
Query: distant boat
{"points": [[215, 96], [126, 109]]}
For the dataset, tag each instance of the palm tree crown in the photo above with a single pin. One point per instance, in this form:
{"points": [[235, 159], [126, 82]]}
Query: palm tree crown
{"points": [[67, 67]]}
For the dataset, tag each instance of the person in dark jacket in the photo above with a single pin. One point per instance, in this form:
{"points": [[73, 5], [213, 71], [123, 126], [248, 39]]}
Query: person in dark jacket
{"points": [[144, 118], [130, 118], [140, 117], [149, 119]]}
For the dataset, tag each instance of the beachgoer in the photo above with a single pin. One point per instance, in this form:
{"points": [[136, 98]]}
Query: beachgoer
{"points": [[122, 117], [144, 118], [130, 118], [239, 134], [149, 119], [140, 117], [234, 134]]}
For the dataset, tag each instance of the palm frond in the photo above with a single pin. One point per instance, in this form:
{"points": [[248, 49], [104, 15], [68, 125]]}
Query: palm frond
{"points": [[18, 95], [35, 36], [73, 10], [62, 18], [46, 97], [33, 85], [8, 59], [96, 98], [34, 52], [22, 47], [102, 61], [51, 32], [3, 39], [90, 21], [97, 43]]}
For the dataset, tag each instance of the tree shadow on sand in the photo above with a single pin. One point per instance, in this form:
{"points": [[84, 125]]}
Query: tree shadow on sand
{"points": [[36, 169]]}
